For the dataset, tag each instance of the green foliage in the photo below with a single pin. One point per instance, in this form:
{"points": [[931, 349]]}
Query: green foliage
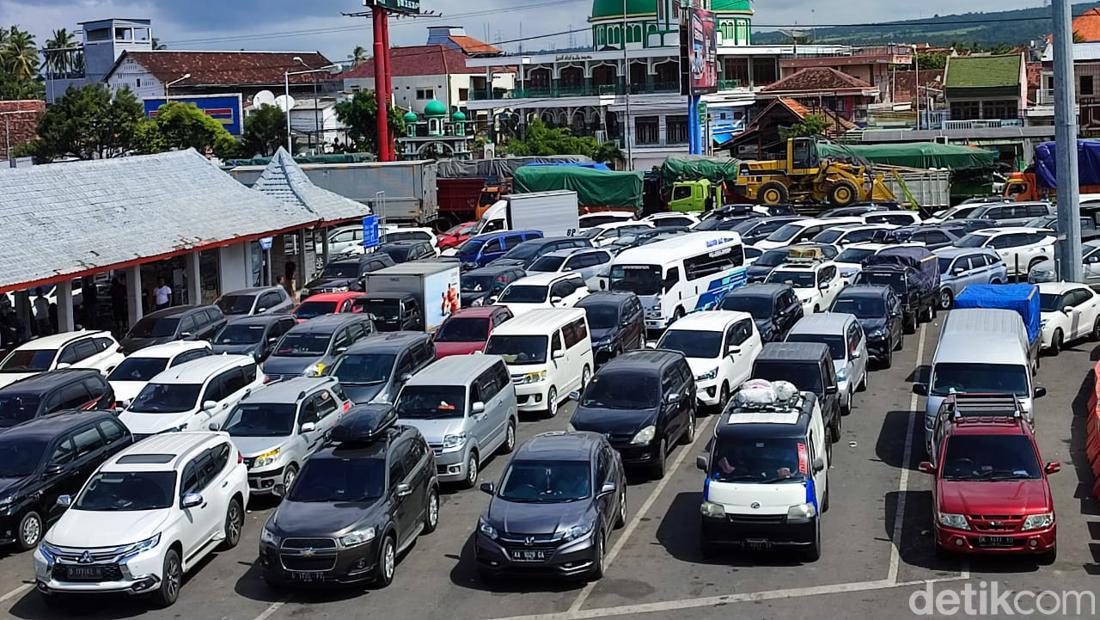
{"points": [[360, 115], [58, 61], [19, 77], [811, 126], [264, 132], [12, 88], [182, 126], [929, 61], [88, 123], [542, 141]]}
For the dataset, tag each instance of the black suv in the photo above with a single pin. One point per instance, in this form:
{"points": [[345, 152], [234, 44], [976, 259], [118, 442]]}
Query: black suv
{"points": [[478, 285], [171, 324], [407, 251], [253, 335], [644, 403], [47, 458], [378, 366], [346, 274], [879, 313], [524, 254], [774, 308], [554, 509], [49, 392], [809, 366], [617, 324], [357, 504]]}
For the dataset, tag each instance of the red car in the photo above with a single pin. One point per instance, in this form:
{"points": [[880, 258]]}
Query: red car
{"points": [[466, 332], [991, 494], [327, 303], [455, 236]]}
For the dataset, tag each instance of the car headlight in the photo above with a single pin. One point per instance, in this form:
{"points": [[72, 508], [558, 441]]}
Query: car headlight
{"points": [[6, 501], [358, 537], [454, 441], [267, 458], [842, 374], [877, 333], [315, 370], [269, 537], [708, 375], [644, 436], [533, 377], [1039, 521], [486, 529], [576, 532], [952, 520], [712, 510], [801, 513]]}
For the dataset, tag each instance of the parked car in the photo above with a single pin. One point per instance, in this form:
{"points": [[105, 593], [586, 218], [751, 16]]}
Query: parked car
{"points": [[313, 539], [1046, 271], [129, 377], [392, 311], [959, 212], [467, 331], [859, 210], [760, 268], [310, 348], [720, 348], [879, 313], [590, 220], [774, 307], [644, 403], [616, 322], [478, 285], [850, 261], [931, 237], [546, 290], [374, 369], [1008, 214], [393, 234], [327, 303], [483, 249], [894, 218], [346, 274], [82, 349], [82, 389], [1021, 249], [753, 230], [254, 335], [815, 282], [962, 267], [343, 240], [407, 251], [587, 262], [571, 490], [1070, 311], [526, 253], [802, 230], [850, 233], [604, 235], [455, 235], [847, 344], [809, 367], [176, 323], [254, 301], [914, 274], [164, 504], [671, 219]]}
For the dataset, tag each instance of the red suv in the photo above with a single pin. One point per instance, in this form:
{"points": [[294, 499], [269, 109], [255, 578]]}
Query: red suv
{"points": [[991, 493], [467, 331], [327, 303]]}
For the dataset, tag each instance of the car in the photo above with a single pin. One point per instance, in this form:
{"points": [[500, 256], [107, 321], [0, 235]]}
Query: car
{"points": [[914, 274], [959, 212], [809, 367], [373, 369], [767, 472], [343, 240], [961, 405], [175, 323], [253, 335], [191, 396], [754, 230], [276, 427], [467, 331], [392, 311], [931, 237], [129, 377], [1021, 249], [770, 259], [720, 348], [849, 233], [346, 274], [1046, 271], [671, 219], [616, 321], [83, 389], [587, 262], [571, 490], [1009, 214], [545, 290], [526, 253], [850, 261], [407, 251], [774, 307], [313, 539], [478, 285], [97, 350], [879, 313], [255, 301], [990, 494], [962, 267], [605, 234], [894, 217], [802, 230], [859, 210], [591, 220], [1070, 311], [1050, 222], [455, 235], [483, 249], [322, 304], [395, 233], [147, 516], [844, 336], [465, 406], [816, 282], [310, 348]]}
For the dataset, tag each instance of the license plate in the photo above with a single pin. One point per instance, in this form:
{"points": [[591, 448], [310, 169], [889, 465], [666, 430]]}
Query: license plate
{"points": [[529, 555], [308, 576], [85, 573], [996, 541], [756, 544]]}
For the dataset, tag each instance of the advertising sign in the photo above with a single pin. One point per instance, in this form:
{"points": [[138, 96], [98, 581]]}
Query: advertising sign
{"points": [[226, 109], [698, 51], [397, 6]]}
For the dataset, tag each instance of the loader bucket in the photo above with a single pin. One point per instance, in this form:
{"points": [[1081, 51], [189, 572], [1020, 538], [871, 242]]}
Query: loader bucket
{"points": [[879, 191]]}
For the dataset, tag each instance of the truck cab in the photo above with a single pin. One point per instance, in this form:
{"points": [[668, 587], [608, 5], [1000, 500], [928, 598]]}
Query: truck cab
{"points": [[693, 195]]}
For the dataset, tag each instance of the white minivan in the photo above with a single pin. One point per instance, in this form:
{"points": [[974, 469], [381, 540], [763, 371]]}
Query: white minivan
{"points": [[548, 353], [720, 347]]}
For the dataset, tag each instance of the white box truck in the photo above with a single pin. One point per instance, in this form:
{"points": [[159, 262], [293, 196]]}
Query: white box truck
{"points": [[435, 286], [556, 214]]}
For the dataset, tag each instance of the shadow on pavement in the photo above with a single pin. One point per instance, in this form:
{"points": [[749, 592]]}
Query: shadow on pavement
{"points": [[890, 447], [465, 575]]}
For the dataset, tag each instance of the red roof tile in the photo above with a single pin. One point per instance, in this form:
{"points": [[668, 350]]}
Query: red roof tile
{"points": [[1086, 27], [227, 68], [419, 60], [472, 47], [904, 86], [817, 79], [23, 124]]}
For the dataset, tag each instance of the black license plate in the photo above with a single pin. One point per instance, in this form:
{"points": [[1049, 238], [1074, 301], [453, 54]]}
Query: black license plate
{"points": [[308, 576], [84, 573], [529, 555], [756, 544], [996, 541]]}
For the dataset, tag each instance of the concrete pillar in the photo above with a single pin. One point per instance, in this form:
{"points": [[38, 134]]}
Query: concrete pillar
{"points": [[324, 246], [24, 315], [134, 309], [304, 269], [234, 268], [65, 322], [193, 275]]}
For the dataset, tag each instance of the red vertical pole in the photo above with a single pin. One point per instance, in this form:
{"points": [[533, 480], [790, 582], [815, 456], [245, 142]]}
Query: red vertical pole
{"points": [[390, 147], [379, 18]]}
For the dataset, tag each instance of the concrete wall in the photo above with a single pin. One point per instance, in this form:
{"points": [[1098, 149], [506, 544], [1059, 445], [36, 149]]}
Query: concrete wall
{"points": [[234, 267]]}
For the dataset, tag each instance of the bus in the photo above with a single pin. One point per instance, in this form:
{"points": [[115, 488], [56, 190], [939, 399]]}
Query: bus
{"points": [[685, 274]]}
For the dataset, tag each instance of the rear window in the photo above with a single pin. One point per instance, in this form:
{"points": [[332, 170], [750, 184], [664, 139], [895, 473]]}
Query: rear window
{"points": [[154, 328], [806, 376]]}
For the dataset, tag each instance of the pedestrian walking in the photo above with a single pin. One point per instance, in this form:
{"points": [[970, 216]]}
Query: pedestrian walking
{"points": [[162, 295], [42, 313]]}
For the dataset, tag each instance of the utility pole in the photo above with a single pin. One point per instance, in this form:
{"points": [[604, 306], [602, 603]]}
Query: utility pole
{"points": [[626, 92], [1067, 251]]}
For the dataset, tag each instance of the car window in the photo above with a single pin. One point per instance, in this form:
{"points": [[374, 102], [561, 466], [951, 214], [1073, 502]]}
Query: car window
{"points": [[1036, 210], [397, 468], [555, 343], [64, 453], [95, 386], [406, 365], [216, 389], [72, 396], [487, 385], [188, 356], [326, 404], [188, 325], [112, 431], [342, 340], [192, 480], [85, 349], [234, 381], [502, 375], [269, 300], [102, 344], [87, 441]]}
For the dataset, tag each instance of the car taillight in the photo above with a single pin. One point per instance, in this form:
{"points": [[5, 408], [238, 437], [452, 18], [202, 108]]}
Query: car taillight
{"points": [[240, 459], [347, 406]]}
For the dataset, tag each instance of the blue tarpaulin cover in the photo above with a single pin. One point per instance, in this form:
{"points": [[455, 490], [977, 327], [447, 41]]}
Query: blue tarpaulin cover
{"points": [[1088, 163], [1023, 298]]}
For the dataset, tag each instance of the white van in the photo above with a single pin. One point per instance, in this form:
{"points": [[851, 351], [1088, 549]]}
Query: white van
{"points": [[548, 353]]}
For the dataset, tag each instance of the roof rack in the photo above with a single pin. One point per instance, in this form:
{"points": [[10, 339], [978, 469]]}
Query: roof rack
{"points": [[760, 396], [962, 406], [363, 424], [806, 255]]}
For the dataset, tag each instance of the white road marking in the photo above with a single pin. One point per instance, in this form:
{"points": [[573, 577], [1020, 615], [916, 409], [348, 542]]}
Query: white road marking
{"points": [[271, 609], [903, 481], [16, 592]]}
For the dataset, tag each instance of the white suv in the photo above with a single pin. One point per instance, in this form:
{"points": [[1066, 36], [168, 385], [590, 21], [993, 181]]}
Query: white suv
{"points": [[816, 283], [146, 517], [720, 347], [83, 349], [545, 290], [136, 371], [1021, 249]]}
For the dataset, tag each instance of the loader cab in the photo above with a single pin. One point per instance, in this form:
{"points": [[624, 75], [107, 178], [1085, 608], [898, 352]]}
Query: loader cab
{"points": [[802, 154]]}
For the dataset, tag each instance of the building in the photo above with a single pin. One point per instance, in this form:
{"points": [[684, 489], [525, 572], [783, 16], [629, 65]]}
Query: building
{"points": [[455, 37], [1086, 26], [18, 124], [875, 66], [989, 89], [762, 138], [1086, 79], [311, 118], [437, 134], [846, 96], [104, 41]]}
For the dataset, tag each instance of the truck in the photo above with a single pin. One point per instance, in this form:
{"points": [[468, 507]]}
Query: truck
{"points": [[913, 273], [402, 192], [597, 190], [435, 286], [468, 187], [1022, 299], [556, 214], [1040, 180], [688, 182]]}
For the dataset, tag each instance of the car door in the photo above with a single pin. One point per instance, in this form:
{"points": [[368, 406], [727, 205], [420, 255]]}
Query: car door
{"points": [[418, 475], [830, 275], [894, 318], [1092, 267], [89, 445], [216, 391], [606, 505], [857, 352], [634, 336], [670, 418], [1079, 312], [496, 415], [747, 339], [188, 327], [401, 501], [200, 520], [1090, 310], [61, 476], [310, 412]]}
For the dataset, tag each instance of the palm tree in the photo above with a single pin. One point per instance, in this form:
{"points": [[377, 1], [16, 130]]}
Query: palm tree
{"points": [[59, 57], [20, 54], [358, 55], [158, 44]]}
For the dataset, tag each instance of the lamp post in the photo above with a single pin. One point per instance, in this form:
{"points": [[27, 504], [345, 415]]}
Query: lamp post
{"points": [[185, 76], [626, 94], [333, 69]]}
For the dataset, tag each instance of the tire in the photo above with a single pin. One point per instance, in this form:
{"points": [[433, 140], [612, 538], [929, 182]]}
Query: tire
{"points": [[509, 438], [836, 425], [431, 512], [813, 553], [31, 529], [816, 310], [888, 361], [552, 402], [620, 519], [234, 524], [677, 315], [941, 552], [598, 561], [829, 441], [909, 325], [863, 384], [773, 194], [289, 475], [1095, 335], [1049, 557], [472, 471], [659, 464], [387, 562], [843, 194], [900, 344], [825, 500], [724, 395], [1056, 342], [171, 579], [930, 314], [586, 376], [689, 432], [846, 408]]}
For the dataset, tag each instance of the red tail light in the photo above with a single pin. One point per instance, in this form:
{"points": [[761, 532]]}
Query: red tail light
{"points": [[240, 459]]}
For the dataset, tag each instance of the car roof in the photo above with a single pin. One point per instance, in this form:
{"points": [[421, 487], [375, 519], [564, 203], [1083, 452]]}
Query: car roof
{"points": [[712, 321], [256, 290], [47, 381], [559, 446], [288, 390], [169, 350], [863, 290], [794, 351], [59, 340], [995, 426], [978, 324], [455, 370], [403, 243], [258, 319], [199, 370], [180, 446], [1058, 288], [832, 323], [642, 360], [492, 270], [500, 233], [875, 247], [176, 312], [545, 279], [770, 290], [334, 296], [567, 252], [386, 342], [49, 426], [602, 298], [954, 252], [791, 423], [1018, 229], [477, 312], [538, 321], [328, 323]]}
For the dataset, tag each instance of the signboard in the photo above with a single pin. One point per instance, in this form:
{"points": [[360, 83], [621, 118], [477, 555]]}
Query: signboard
{"points": [[698, 50], [411, 7], [226, 109], [265, 243], [370, 232]]}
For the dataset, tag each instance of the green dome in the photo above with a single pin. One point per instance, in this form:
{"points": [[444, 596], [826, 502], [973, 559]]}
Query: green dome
{"points": [[435, 107], [410, 117], [606, 9], [458, 116]]}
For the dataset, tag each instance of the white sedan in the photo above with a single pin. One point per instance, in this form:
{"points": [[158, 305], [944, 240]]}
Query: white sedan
{"points": [[1069, 311]]}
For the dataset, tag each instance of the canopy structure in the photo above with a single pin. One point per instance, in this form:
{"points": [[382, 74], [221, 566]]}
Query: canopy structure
{"points": [[284, 180], [713, 170], [595, 188], [1088, 163], [912, 155]]}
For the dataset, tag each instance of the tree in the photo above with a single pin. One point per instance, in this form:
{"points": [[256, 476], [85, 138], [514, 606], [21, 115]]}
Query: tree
{"points": [[88, 123], [358, 55], [264, 131], [12, 87], [60, 59], [543, 141], [182, 126], [812, 126], [19, 55], [928, 61], [360, 116]]}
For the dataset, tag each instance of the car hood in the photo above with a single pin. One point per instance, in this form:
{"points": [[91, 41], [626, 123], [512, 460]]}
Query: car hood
{"points": [[806, 294], [322, 519], [129, 345], [289, 365], [445, 349], [512, 518], [509, 262], [8, 378], [613, 421], [518, 309], [126, 391], [153, 423], [362, 394], [468, 299], [237, 349], [85, 528], [700, 365], [870, 325], [254, 446], [762, 499], [434, 430], [994, 498], [329, 283]]}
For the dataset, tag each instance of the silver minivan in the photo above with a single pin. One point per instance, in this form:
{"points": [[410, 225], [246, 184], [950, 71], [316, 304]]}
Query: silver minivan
{"points": [[465, 406]]}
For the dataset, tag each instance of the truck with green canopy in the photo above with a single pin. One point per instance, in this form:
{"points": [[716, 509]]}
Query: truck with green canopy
{"points": [[596, 189]]}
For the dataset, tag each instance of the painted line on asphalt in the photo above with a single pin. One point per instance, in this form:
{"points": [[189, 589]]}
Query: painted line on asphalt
{"points": [[16, 592], [903, 481], [271, 609]]}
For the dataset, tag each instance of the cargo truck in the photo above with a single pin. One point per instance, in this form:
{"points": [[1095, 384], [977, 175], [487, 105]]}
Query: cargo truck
{"points": [[556, 214], [436, 287]]}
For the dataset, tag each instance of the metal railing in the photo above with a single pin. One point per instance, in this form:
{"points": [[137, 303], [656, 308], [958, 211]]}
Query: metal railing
{"points": [[587, 90]]}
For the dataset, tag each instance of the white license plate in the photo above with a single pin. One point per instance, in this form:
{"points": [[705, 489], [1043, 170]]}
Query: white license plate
{"points": [[529, 555], [308, 576]]}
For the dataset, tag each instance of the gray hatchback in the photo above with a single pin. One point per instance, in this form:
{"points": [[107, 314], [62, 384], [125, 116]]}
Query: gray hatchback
{"points": [[311, 347]]}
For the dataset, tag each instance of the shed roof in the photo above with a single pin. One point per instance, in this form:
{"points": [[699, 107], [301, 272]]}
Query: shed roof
{"points": [[216, 68], [814, 79], [284, 180]]}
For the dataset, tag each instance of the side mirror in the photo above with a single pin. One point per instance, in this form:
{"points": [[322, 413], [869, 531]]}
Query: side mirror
{"points": [[672, 399], [402, 490], [607, 489], [1052, 467], [559, 354], [209, 405], [823, 285], [405, 378], [819, 464], [575, 395], [1067, 309], [832, 389], [53, 470], [308, 427], [733, 350], [273, 340], [920, 389], [214, 427], [959, 271], [191, 500], [492, 299], [478, 408], [278, 490], [927, 467], [64, 365], [701, 463], [555, 301], [186, 335], [1040, 392], [340, 350], [67, 500]]}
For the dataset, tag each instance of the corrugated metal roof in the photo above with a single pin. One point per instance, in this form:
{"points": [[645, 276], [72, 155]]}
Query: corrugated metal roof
{"points": [[284, 180], [62, 219]]}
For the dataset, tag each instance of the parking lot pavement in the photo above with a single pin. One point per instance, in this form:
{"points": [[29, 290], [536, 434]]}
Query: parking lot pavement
{"points": [[876, 546]]}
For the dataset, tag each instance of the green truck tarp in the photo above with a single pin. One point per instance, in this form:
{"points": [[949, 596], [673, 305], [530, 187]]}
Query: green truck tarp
{"points": [[595, 188], [713, 170], [913, 155]]}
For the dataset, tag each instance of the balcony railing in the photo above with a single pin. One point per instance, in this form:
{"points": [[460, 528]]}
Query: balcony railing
{"points": [[984, 123], [588, 90]]}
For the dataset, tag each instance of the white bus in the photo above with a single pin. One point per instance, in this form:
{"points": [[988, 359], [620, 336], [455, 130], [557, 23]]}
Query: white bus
{"points": [[681, 275]]}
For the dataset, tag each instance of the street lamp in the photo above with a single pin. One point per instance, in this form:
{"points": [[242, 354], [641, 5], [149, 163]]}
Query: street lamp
{"points": [[185, 76], [332, 69]]}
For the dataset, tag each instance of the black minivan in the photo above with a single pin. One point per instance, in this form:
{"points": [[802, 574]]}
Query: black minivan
{"points": [[70, 388], [617, 323], [809, 366]]}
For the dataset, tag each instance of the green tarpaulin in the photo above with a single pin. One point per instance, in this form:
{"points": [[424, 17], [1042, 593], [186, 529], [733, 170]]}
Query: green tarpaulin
{"points": [[713, 170], [913, 155], [595, 188]]}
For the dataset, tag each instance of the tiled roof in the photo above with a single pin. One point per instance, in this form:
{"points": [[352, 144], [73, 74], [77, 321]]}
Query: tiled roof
{"points": [[227, 68], [817, 79], [905, 86], [472, 47], [836, 124], [20, 123], [285, 181], [1086, 27], [67, 219], [419, 60], [983, 71]]}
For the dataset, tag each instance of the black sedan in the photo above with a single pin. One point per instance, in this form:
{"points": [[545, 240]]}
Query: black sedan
{"points": [[879, 313]]}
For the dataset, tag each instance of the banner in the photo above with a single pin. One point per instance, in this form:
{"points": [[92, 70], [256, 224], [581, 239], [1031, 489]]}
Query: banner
{"points": [[698, 51], [226, 109]]}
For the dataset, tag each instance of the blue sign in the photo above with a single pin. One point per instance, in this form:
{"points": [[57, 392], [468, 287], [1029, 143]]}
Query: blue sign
{"points": [[370, 232], [226, 109], [265, 243]]}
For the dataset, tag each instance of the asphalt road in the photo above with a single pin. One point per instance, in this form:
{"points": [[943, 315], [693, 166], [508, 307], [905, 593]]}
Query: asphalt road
{"points": [[877, 551]]}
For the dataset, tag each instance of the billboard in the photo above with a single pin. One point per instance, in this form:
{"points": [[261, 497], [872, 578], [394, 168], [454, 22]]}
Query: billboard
{"points": [[698, 50], [226, 109], [408, 7]]}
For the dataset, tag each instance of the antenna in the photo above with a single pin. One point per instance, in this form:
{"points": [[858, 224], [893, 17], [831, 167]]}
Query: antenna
{"points": [[285, 103], [262, 98]]}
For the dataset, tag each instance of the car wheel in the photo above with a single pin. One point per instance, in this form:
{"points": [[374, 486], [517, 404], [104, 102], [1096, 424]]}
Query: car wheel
{"points": [[846, 409], [909, 325], [677, 315], [598, 560], [863, 384], [724, 396], [659, 460], [289, 475], [30, 532], [431, 511], [620, 519], [1056, 343], [471, 471], [171, 579], [825, 500], [387, 562], [509, 438], [829, 441], [816, 310], [1049, 557], [234, 523], [930, 313], [552, 402], [586, 376], [1096, 330], [888, 361], [813, 553], [689, 432], [901, 342]]}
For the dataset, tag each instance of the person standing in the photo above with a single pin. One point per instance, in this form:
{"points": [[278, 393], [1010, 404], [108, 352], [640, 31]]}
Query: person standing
{"points": [[42, 313], [118, 305], [90, 302], [162, 295]]}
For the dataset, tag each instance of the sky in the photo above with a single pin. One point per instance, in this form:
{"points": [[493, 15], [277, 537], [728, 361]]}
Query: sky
{"points": [[306, 25]]}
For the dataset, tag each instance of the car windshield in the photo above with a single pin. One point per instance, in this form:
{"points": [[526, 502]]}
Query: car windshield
{"points": [[785, 233], [547, 264], [236, 304], [972, 241], [758, 307], [18, 408], [154, 328], [621, 390], [312, 309], [692, 343], [303, 345], [478, 284], [261, 420], [523, 251], [958, 213], [1051, 302], [399, 253], [463, 330], [838, 349], [431, 402], [335, 479], [797, 279], [20, 456], [591, 233], [138, 369], [524, 294], [854, 255], [602, 316], [980, 378], [166, 398], [805, 376], [364, 368], [407, 235], [29, 360], [546, 482], [861, 307], [235, 333], [759, 460], [642, 280], [342, 270], [828, 236], [772, 258], [990, 458], [384, 309], [128, 491], [891, 278], [518, 350], [1041, 222]]}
